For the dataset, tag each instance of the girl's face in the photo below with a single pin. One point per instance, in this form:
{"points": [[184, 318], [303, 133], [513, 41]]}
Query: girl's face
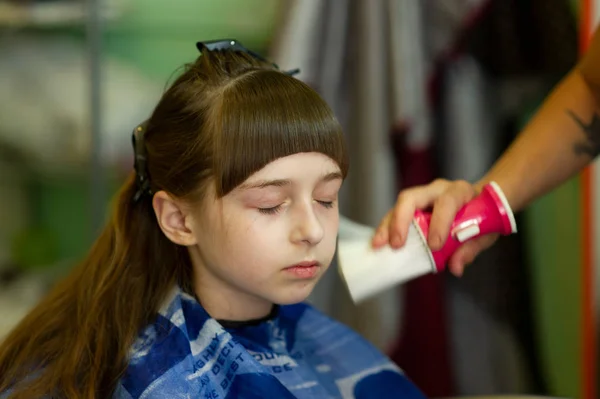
{"points": [[269, 240]]}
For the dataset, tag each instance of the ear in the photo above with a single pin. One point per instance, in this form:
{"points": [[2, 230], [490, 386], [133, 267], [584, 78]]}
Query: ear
{"points": [[173, 219]]}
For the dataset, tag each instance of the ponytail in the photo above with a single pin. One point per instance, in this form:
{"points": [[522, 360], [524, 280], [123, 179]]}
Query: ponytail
{"points": [[75, 342]]}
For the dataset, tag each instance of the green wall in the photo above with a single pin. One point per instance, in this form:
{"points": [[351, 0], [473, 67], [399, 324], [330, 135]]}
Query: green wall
{"points": [[554, 243], [160, 36]]}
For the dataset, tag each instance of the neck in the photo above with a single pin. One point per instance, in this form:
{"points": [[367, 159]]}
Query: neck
{"points": [[223, 301], [221, 305]]}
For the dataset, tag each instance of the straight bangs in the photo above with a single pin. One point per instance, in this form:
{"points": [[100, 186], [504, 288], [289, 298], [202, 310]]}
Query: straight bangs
{"points": [[265, 115]]}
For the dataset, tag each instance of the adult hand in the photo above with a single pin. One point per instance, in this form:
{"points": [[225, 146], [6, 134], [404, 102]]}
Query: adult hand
{"points": [[446, 198]]}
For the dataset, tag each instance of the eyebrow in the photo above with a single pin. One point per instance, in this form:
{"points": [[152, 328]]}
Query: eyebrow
{"points": [[285, 182]]}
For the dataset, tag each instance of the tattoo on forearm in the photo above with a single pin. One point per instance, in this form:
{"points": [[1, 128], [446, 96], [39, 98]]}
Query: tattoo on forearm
{"points": [[591, 145]]}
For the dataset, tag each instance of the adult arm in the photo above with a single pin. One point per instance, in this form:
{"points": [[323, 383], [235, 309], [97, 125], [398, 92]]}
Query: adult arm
{"points": [[561, 139]]}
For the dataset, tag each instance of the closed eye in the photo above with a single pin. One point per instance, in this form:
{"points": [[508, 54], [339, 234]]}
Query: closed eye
{"points": [[275, 209], [326, 204], [270, 211]]}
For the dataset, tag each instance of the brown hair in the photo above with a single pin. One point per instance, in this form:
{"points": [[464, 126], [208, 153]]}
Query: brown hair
{"points": [[224, 118]]}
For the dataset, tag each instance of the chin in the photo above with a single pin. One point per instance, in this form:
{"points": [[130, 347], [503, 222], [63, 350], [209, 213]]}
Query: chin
{"points": [[294, 294]]}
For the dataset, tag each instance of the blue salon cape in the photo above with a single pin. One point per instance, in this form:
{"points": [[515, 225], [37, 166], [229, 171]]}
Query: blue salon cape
{"points": [[298, 353]]}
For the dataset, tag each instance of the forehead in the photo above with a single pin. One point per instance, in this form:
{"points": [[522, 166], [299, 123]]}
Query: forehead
{"points": [[297, 166]]}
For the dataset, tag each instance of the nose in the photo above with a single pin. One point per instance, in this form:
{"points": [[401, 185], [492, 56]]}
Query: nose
{"points": [[307, 228]]}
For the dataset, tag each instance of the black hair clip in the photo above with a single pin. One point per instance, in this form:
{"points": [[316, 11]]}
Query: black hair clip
{"points": [[142, 179], [232, 44]]}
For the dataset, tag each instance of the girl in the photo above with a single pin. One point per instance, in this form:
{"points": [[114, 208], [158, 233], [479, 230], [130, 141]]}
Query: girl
{"points": [[195, 287]]}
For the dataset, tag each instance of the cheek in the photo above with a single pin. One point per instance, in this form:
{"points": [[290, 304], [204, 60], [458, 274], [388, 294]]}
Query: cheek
{"points": [[249, 238], [332, 232], [330, 222], [330, 218], [250, 254]]}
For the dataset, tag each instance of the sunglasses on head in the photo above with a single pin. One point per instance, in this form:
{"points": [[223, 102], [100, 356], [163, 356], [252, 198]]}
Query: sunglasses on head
{"points": [[234, 45]]}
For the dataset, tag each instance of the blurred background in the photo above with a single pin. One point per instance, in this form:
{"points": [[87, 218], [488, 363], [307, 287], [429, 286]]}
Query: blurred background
{"points": [[423, 88]]}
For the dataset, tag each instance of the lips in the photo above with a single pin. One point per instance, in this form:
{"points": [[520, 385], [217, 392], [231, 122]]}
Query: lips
{"points": [[304, 270], [305, 264]]}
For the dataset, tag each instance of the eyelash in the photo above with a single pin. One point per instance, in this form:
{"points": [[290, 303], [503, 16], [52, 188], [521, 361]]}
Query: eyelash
{"points": [[275, 209]]}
